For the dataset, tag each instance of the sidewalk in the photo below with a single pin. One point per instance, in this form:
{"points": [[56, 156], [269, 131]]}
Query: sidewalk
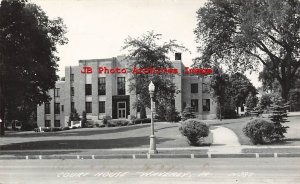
{"points": [[224, 141], [142, 153]]}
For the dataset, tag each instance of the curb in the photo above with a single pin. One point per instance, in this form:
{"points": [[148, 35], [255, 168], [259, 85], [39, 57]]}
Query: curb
{"points": [[151, 156]]}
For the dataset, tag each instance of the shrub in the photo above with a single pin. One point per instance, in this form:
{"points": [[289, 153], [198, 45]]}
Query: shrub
{"points": [[27, 127], [194, 130], [129, 124], [90, 124], [74, 116], [47, 129], [84, 119], [172, 115], [139, 121], [117, 122], [101, 126], [228, 112], [66, 128], [105, 120], [55, 129], [259, 131], [132, 117], [188, 113]]}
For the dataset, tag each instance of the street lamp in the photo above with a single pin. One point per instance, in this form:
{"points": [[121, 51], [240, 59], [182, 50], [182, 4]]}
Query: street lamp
{"points": [[152, 136]]}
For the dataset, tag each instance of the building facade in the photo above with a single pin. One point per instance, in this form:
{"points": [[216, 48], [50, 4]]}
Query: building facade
{"points": [[106, 93]]}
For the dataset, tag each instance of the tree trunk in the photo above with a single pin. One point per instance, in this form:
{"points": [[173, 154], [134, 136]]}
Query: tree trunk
{"points": [[2, 111], [220, 111], [285, 89], [143, 113]]}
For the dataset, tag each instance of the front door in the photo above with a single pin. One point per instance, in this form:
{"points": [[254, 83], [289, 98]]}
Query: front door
{"points": [[121, 110]]}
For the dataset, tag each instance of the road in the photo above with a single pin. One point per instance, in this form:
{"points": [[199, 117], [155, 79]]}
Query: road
{"points": [[245, 170]]}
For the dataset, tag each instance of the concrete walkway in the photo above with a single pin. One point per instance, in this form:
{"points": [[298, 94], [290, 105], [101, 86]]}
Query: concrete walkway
{"points": [[224, 141]]}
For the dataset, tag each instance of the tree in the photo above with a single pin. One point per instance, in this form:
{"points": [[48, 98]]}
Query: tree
{"points": [[265, 101], [28, 40], [219, 84], [84, 119], [269, 82], [251, 102], [279, 116], [148, 52], [241, 89], [244, 34], [188, 113], [74, 116]]}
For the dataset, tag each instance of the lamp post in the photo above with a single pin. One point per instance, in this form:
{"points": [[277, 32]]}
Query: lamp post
{"points": [[152, 136]]}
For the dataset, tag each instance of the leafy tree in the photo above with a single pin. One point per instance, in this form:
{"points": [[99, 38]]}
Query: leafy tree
{"points": [[148, 51], [294, 98], [241, 89], [279, 116], [28, 40], [219, 84], [227, 110], [265, 101], [269, 82], [244, 34], [251, 102]]}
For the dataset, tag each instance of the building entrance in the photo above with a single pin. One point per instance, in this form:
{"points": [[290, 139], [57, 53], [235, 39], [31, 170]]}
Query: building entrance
{"points": [[121, 110]]}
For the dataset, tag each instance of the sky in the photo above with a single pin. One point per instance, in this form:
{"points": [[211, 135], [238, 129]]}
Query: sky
{"points": [[98, 28]]}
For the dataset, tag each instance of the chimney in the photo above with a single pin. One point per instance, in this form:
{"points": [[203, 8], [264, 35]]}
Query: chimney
{"points": [[178, 56]]}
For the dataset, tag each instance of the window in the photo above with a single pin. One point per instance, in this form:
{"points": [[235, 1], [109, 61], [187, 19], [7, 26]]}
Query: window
{"points": [[72, 106], [57, 123], [88, 89], [138, 108], [205, 88], [72, 91], [121, 85], [56, 92], [206, 104], [194, 105], [47, 123], [88, 107], [101, 107], [47, 108], [72, 77], [177, 56], [62, 108], [56, 108], [194, 88], [101, 86]]}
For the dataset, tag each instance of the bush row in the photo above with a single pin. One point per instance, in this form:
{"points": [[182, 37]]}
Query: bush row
{"points": [[123, 122]]}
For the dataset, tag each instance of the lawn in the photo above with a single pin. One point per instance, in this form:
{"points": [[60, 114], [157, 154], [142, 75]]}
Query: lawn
{"points": [[136, 136], [237, 125]]}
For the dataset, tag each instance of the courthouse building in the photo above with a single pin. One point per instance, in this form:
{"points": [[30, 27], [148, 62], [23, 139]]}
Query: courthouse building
{"points": [[107, 94]]}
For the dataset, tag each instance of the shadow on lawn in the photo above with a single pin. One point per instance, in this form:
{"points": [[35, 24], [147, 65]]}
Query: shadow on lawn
{"points": [[156, 129], [128, 142], [25, 153], [78, 132], [285, 141]]}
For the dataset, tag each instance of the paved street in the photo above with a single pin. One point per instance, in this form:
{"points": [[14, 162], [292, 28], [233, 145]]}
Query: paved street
{"points": [[263, 170]]}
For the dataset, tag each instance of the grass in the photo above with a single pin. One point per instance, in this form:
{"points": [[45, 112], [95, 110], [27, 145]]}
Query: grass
{"points": [[136, 136], [237, 125], [271, 150]]}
